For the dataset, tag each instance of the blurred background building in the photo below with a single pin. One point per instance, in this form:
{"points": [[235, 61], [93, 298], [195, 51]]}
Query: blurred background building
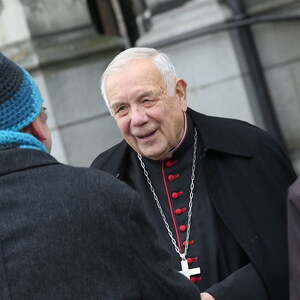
{"points": [[241, 59]]}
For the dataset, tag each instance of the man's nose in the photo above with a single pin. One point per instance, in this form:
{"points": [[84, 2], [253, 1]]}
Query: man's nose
{"points": [[138, 116]]}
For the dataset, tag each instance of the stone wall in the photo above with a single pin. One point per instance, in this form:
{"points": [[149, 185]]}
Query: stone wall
{"points": [[279, 49], [56, 42]]}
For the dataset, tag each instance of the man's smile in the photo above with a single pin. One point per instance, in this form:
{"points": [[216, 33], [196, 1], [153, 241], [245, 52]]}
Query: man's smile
{"points": [[145, 136]]}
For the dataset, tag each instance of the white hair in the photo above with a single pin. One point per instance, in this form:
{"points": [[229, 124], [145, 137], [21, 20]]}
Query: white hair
{"points": [[161, 60]]}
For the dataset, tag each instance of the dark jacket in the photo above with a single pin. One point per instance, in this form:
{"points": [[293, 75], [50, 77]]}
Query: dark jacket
{"points": [[247, 177], [75, 233], [294, 239]]}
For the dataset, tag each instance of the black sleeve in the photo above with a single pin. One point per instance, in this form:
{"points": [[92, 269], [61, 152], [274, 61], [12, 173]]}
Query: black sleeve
{"points": [[243, 284], [157, 279]]}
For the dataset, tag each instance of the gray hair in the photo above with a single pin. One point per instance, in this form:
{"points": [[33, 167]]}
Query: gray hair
{"points": [[161, 60]]}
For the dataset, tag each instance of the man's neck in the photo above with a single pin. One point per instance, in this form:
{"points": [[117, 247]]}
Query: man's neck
{"points": [[170, 154]]}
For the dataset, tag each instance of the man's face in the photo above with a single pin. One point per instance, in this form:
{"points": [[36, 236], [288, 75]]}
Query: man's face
{"points": [[150, 120]]}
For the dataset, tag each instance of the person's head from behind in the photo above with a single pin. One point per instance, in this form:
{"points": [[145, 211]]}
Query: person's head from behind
{"points": [[147, 100], [21, 108]]}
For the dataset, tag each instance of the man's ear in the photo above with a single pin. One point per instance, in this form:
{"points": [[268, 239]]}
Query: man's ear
{"points": [[181, 93], [36, 129]]}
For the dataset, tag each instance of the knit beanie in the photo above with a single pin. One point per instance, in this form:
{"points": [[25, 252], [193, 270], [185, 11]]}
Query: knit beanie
{"points": [[20, 98]]}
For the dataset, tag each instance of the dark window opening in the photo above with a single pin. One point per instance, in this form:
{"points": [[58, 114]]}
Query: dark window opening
{"points": [[106, 20]]}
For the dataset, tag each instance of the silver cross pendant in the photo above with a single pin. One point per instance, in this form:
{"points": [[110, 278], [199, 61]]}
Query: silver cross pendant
{"points": [[188, 272]]}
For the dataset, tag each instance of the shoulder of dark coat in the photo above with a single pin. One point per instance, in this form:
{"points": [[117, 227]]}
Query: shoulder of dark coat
{"points": [[249, 133], [232, 135], [109, 156], [106, 155], [96, 184]]}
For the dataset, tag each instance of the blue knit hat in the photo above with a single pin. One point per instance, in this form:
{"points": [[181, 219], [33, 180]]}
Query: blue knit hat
{"points": [[20, 98]]}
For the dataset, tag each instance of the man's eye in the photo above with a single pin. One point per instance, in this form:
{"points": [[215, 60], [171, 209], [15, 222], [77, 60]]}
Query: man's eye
{"points": [[147, 101], [120, 109]]}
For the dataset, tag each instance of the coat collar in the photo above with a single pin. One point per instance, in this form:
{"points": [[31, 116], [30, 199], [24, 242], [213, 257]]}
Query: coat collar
{"points": [[17, 159], [216, 135]]}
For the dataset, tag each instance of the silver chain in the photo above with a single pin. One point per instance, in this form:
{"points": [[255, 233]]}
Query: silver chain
{"points": [[182, 255]]}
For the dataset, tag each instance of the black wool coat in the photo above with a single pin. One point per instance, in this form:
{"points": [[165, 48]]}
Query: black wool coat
{"points": [[77, 234], [247, 176]]}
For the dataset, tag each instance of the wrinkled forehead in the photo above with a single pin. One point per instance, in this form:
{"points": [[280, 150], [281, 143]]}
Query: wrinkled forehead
{"points": [[135, 69], [137, 74]]}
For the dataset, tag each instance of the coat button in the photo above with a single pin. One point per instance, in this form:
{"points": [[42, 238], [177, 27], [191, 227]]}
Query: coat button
{"points": [[173, 177], [176, 195], [191, 260], [180, 211], [183, 228], [191, 242], [170, 163], [196, 279]]}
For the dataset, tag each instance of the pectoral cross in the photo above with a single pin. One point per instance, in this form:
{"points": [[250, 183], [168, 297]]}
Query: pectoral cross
{"points": [[188, 272]]}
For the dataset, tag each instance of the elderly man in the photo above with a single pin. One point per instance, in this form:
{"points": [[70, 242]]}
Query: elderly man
{"points": [[66, 232], [214, 188]]}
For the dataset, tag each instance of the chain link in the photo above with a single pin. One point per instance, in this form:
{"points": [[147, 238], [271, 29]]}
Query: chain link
{"points": [[189, 222]]}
